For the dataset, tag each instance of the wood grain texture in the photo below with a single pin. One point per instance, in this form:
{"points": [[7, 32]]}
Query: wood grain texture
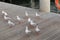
{"points": [[49, 24]]}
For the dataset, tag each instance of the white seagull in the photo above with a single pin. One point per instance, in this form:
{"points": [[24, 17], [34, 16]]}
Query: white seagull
{"points": [[37, 14], [11, 23], [6, 18], [27, 30], [26, 13], [4, 13], [18, 18], [29, 20], [32, 23], [37, 29]]}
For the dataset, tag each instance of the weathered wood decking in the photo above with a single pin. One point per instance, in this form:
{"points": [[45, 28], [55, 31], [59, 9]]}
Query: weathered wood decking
{"points": [[49, 23]]}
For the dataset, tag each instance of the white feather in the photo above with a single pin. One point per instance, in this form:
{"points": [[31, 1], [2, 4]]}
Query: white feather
{"points": [[27, 30], [37, 14], [37, 29], [10, 23], [3, 12]]}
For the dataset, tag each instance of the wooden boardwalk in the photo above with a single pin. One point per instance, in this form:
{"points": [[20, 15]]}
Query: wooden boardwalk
{"points": [[49, 23]]}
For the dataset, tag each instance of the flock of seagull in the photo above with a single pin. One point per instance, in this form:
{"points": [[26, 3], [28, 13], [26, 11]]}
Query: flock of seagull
{"points": [[29, 20]]}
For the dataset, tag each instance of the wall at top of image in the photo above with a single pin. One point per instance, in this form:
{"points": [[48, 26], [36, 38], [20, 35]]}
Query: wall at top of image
{"points": [[26, 3]]}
